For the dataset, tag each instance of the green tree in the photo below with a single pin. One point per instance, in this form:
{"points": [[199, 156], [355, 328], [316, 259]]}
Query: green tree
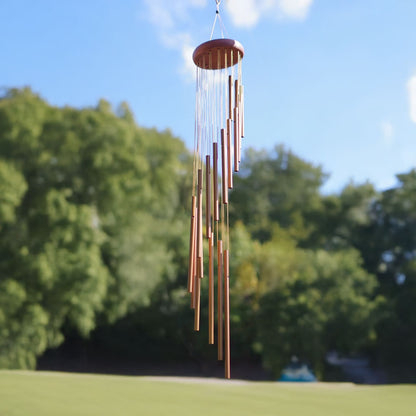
{"points": [[91, 212], [394, 261], [275, 187], [343, 220], [322, 301]]}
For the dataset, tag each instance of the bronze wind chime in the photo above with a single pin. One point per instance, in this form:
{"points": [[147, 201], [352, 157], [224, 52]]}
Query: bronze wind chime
{"points": [[219, 127]]}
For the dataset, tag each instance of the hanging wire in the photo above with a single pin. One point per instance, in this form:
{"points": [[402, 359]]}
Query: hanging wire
{"points": [[218, 16], [222, 26]]}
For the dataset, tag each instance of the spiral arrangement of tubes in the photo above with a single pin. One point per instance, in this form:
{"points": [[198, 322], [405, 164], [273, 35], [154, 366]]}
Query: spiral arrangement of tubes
{"points": [[219, 128]]}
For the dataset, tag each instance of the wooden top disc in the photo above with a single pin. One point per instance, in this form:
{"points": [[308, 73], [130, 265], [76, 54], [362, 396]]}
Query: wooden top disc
{"points": [[211, 54]]}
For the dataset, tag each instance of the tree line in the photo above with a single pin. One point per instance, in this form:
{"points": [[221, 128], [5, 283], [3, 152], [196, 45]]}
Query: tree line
{"points": [[94, 230]]}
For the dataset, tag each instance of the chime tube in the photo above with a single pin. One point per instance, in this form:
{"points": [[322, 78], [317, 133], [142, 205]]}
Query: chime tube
{"points": [[236, 140], [208, 196], [191, 247], [227, 313], [224, 169], [194, 265], [229, 161], [197, 291], [237, 103], [211, 291], [242, 109], [215, 174], [230, 96], [236, 91], [220, 301], [200, 251]]}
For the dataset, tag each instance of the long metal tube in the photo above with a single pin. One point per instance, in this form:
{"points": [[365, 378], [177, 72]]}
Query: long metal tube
{"points": [[191, 247], [220, 328], [211, 291], [227, 314]]}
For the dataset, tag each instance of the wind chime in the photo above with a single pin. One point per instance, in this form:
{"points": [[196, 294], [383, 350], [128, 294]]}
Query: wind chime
{"points": [[219, 127]]}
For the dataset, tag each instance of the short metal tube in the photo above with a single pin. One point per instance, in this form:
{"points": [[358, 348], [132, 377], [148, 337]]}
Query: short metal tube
{"points": [[208, 196], [192, 246], [229, 161], [215, 174], [197, 291], [224, 169], [230, 96], [236, 140], [199, 244]]}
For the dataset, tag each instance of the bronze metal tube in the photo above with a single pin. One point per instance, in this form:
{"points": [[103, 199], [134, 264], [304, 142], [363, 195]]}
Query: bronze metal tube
{"points": [[220, 302], [227, 314], [224, 169], [208, 196], [211, 291], [215, 174]]}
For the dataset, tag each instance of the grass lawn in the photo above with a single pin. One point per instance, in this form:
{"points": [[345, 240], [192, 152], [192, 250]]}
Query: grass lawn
{"points": [[25, 393]]}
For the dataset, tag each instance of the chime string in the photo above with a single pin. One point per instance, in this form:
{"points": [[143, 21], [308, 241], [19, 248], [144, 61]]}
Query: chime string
{"points": [[205, 125], [202, 121], [240, 79], [217, 131], [240, 69], [224, 92], [241, 96], [225, 124], [195, 129], [222, 155], [241, 102], [210, 99]]}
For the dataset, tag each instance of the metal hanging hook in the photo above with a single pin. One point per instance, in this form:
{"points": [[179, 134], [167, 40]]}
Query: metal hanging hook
{"points": [[217, 2]]}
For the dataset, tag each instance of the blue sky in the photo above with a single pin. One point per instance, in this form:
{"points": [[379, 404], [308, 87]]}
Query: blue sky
{"points": [[334, 80]]}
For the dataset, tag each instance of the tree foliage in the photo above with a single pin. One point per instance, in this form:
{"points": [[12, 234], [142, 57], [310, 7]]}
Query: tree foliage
{"points": [[94, 219], [276, 187], [82, 195]]}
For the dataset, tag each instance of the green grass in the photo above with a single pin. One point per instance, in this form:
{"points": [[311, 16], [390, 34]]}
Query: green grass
{"points": [[61, 394]]}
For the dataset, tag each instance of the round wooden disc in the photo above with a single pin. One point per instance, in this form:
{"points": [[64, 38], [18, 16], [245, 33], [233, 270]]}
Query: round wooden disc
{"points": [[206, 55]]}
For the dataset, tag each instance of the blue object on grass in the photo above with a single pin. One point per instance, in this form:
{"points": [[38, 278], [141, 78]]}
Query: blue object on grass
{"points": [[297, 372]]}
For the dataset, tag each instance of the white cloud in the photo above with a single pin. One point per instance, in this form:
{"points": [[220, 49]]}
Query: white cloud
{"points": [[245, 13], [387, 131], [411, 87], [164, 13], [159, 15], [172, 20], [175, 26], [188, 68], [248, 13], [295, 9]]}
